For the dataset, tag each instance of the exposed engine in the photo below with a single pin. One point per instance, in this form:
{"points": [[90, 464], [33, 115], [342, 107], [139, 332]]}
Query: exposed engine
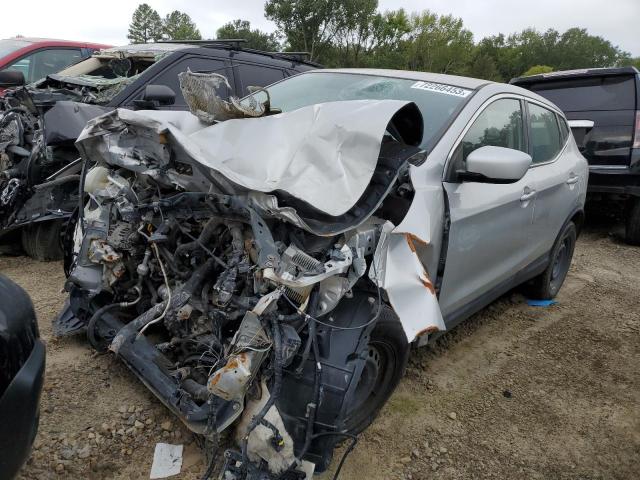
{"points": [[30, 153], [234, 306], [223, 294], [20, 139]]}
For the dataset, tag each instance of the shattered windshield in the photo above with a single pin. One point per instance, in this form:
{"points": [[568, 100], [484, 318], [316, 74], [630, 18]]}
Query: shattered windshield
{"points": [[108, 72], [437, 102]]}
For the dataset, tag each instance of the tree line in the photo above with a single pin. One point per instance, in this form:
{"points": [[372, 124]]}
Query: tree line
{"points": [[148, 26], [355, 33]]}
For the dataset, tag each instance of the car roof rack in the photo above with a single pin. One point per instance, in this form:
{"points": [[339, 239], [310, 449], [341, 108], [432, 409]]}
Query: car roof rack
{"points": [[301, 56], [235, 43]]}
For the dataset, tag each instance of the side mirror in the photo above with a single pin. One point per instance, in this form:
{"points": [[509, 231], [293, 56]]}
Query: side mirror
{"points": [[11, 78], [155, 96], [490, 164]]}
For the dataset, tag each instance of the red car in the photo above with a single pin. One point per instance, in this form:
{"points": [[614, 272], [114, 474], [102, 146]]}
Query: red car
{"points": [[38, 57]]}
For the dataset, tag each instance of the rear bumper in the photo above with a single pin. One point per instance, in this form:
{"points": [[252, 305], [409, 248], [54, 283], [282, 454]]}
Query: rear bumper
{"points": [[609, 179], [19, 412]]}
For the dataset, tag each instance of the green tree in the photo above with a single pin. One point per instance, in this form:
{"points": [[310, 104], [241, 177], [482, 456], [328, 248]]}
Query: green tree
{"points": [[578, 49], [631, 62], [354, 31], [307, 25], [492, 59], [439, 44], [484, 66], [390, 32], [255, 38], [145, 26], [537, 70], [179, 26]]}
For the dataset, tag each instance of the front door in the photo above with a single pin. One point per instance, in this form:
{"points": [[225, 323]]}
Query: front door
{"points": [[491, 223]]}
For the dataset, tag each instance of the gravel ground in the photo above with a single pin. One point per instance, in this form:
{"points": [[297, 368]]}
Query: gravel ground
{"points": [[514, 392]]}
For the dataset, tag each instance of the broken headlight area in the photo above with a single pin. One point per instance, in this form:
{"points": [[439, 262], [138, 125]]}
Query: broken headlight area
{"points": [[244, 310], [38, 167]]}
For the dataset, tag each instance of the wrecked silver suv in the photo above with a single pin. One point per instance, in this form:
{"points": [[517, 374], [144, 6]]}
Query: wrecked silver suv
{"points": [[264, 265]]}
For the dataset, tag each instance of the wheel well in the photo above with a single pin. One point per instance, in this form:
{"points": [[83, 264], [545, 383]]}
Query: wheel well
{"points": [[578, 220]]}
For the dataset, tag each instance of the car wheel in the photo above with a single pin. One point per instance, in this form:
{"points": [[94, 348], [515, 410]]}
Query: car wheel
{"points": [[42, 241], [632, 230], [547, 285], [387, 356]]}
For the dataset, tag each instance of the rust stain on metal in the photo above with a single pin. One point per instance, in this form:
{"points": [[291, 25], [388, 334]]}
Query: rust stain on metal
{"points": [[431, 329], [232, 364], [426, 282], [414, 240], [215, 379]]}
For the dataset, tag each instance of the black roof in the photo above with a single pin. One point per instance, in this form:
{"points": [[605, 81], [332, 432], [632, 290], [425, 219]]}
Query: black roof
{"points": [[580, 73], [235, 44]]}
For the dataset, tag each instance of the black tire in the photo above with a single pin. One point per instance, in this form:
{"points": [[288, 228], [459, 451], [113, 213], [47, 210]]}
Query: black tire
{"points": [[632, 230], [42, 241], [386, 364], [547, 285]]}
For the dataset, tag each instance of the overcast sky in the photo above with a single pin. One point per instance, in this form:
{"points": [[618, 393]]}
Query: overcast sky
{"points": [[107, 21]]}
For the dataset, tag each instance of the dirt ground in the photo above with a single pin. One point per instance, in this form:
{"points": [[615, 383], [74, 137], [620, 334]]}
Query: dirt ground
{"points": [[514, 392]]}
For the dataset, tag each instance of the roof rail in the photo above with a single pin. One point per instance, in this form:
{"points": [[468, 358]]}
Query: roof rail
{"points": [[295, 55], [235, 43]]}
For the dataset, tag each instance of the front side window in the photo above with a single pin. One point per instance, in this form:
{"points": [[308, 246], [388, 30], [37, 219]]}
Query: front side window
{"points": [[545, 135], [45, 62], [23, 66], [199, 64], [499, 125]]}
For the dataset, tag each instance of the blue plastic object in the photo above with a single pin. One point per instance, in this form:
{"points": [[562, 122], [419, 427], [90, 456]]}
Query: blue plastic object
{"points": [[541, 303]]}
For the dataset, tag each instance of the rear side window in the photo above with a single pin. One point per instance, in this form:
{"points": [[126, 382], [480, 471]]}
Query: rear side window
{"points": [[564, 129], [254, 75], [545, 134], [588, 94], [499, 125]]}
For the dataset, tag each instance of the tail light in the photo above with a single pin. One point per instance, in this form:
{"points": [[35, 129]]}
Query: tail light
{"points": [[636, 135]]}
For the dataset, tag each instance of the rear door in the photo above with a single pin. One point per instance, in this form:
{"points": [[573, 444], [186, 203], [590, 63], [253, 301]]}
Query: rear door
{"points": [[491, 224], [558, 172], [607, 101]]}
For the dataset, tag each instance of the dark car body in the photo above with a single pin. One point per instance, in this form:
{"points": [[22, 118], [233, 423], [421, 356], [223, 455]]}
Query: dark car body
{"points": [[603, 109], [59, 106], [22, 360], [38, 57]]}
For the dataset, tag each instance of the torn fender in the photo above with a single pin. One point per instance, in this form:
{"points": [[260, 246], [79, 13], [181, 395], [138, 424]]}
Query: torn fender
{"points": [[402, 275]]}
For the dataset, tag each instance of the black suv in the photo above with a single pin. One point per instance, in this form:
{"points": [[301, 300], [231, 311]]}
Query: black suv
{"points": [[39, 123], [603, 109]]}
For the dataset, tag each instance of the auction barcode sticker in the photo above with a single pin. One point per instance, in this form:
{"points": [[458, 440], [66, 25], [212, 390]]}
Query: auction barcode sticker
{"points": [[442, 88]]}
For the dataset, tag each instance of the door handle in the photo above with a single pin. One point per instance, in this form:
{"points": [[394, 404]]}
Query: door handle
{"points": [[528, 196], [573, 179]]}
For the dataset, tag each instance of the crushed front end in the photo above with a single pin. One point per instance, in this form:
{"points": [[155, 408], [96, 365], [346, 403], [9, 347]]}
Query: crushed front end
{"points": [[241, 306], [39, 124]]}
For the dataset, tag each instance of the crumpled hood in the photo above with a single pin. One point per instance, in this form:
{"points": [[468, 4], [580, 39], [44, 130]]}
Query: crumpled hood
{"points": [[323, 154]]}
